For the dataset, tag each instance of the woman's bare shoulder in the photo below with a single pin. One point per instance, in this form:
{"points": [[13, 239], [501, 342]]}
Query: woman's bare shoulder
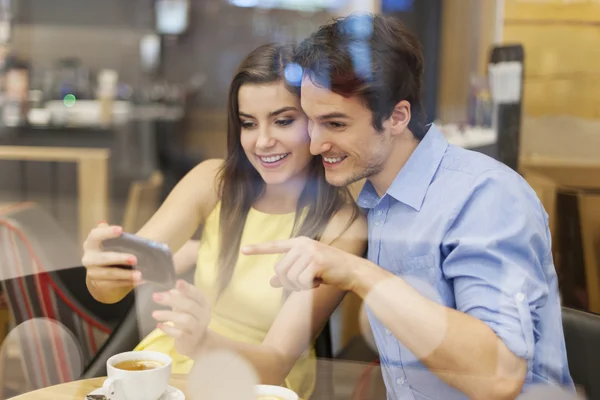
{"points": [[348, 217], [347, 229], [202, 182]]}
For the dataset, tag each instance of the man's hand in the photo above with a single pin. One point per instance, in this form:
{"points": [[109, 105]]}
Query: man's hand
{"points": [[307, 263], [188, 319]]}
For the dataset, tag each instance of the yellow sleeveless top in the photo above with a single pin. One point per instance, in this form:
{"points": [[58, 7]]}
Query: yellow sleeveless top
{"points": [[247, 308]]}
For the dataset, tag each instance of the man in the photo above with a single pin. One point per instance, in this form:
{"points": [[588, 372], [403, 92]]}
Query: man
{"points": [[460, 284]]}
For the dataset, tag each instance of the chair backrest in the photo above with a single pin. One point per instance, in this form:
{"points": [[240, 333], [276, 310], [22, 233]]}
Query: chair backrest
{"points": [[582, 337], [142, 202], [589, 219], [33, 248]]}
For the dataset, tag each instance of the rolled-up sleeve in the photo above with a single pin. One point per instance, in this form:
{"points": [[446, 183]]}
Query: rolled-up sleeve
{"points": [[494, 253]]}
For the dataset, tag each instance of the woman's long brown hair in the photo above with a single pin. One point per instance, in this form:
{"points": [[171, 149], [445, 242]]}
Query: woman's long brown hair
{"points": [[240, 184]]}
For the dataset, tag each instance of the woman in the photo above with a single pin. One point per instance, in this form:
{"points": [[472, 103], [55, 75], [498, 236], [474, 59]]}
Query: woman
{"points": [[269, 187]]}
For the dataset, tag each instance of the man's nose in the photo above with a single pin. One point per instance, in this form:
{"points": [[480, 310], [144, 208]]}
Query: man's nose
{"points": [[318, 143]]}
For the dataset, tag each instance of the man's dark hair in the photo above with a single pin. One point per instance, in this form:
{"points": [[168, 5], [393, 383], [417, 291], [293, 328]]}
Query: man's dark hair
{"points": [[374, 57]]}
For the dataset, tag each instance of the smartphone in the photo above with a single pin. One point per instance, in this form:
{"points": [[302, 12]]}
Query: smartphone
{"points": [[154, 259]]}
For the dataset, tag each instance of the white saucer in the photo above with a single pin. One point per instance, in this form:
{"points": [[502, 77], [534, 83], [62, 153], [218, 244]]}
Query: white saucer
{"points": [[172, 393]]}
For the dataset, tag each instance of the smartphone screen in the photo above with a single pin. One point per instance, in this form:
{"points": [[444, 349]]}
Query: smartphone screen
{"points": [[154, 259]]}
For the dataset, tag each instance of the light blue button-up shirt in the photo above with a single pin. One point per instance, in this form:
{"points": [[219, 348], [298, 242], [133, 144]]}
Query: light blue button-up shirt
{"points": [[469, 233]]}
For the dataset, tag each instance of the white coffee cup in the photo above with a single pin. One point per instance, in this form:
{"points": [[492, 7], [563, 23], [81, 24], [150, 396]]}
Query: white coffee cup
{"points": [[275, 391], [149, 384]]}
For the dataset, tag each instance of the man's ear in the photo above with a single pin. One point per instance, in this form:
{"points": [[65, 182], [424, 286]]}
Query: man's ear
{"points": [[400, 118]]}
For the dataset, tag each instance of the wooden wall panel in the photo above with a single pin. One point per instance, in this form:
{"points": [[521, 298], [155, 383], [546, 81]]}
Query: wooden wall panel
{"points": [[560, 49], [576, 97], [562, 55], [552, 10]]}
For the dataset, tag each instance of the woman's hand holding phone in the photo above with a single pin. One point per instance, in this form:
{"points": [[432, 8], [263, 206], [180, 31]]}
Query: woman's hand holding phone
{"points": [[105, 272]]}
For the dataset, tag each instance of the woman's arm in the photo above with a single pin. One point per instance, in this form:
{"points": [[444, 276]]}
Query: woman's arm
{"points": [[186, 207], [300, 320]]}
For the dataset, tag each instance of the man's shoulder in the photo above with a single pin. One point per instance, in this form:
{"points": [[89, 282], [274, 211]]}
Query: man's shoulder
{"points": [[473, 168], [471, 172], [469, 162]]}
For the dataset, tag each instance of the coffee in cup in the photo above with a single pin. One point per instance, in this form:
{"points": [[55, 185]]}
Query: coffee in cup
{"points": [[138, 365]]}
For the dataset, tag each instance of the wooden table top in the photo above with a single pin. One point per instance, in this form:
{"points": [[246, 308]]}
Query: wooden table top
{"points": [[77, 390]]}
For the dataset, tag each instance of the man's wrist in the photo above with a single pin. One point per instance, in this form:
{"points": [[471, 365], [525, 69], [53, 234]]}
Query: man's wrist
{"points": [[365, 275]]}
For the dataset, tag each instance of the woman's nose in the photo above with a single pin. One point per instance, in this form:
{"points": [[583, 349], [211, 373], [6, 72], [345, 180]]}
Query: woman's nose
{"points": [[265, 139]]}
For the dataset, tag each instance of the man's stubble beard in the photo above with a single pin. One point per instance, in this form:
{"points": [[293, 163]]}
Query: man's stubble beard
{"points": [[374, 164], [373, 167]]}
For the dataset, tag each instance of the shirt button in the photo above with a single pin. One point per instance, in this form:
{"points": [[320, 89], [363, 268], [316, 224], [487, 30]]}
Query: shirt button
{"points": [[388, 332], [400, 381], [377, 223], [519, 297], [379, 212]]}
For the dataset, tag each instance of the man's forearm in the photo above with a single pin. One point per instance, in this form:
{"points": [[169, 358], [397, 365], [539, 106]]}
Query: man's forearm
{"points": [[462, 350], [271, 366]]}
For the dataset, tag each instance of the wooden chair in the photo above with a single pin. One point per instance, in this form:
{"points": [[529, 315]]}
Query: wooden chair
{"points": [[142, 202], [589, 211], [548, 175], [5, 318]]}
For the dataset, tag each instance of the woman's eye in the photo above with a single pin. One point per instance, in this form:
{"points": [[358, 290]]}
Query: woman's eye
{"points": [[284, 122], [248, 124]]}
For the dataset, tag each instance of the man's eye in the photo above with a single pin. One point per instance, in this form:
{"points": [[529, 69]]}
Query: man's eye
{"points": [[335, 125], [285, 122]]}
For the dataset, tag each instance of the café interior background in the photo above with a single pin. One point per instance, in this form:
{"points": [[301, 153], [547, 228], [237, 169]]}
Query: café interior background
{"points": [[106, 104]]}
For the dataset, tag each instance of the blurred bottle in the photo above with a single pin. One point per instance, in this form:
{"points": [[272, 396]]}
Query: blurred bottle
{"points": [[5, 36], [106, 92], [5, 21], [38, 114], [16, 93], [4, 58], [480, 103]]}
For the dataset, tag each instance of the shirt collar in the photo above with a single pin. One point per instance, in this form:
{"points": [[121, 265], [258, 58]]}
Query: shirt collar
{"points": [[411, 183]]}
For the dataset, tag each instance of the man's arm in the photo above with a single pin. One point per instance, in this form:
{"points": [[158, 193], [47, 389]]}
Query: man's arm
{"points": [[494, 254], [462, 350]]}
